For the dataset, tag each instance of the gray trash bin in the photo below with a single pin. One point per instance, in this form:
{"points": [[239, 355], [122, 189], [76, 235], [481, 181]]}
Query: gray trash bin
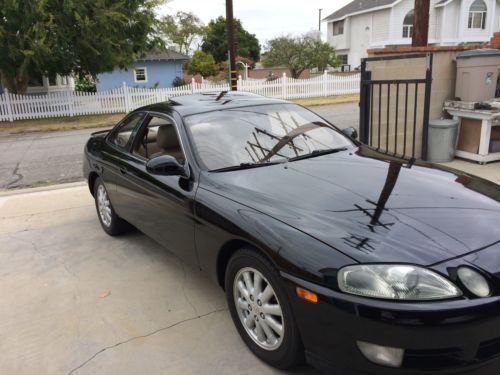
{"points": [[442, 140]]}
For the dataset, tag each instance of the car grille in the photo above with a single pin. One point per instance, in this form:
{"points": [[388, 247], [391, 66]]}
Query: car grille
{"points": [[451, 357], [434, 358]]}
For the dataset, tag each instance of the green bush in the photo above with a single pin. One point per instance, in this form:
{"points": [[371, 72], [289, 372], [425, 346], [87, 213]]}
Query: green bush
{"points": [[178, 81]]}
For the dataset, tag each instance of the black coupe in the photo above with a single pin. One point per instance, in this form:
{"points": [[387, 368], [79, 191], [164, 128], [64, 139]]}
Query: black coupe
{"points": [[327, 250]]}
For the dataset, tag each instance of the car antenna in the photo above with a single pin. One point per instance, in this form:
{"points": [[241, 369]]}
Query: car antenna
{"points": [[219, 97]]}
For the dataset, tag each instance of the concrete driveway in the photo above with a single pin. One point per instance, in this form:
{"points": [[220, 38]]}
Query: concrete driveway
{"points": [[76, 301], [55, 157]]}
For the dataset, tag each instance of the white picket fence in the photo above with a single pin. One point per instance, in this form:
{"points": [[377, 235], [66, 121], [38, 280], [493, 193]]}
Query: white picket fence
{"points": [[124, 99]]}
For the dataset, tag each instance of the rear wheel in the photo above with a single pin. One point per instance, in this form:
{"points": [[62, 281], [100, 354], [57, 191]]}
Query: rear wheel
{"points": [[110, 221], [261, 311]]}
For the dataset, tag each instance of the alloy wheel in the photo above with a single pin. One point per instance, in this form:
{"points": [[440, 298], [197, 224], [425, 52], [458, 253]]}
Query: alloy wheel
{"points": [[103, 205], [258, 308]]}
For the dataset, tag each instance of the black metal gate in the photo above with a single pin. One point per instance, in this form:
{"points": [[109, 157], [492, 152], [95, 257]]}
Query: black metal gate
{"points": [[392, 112]]}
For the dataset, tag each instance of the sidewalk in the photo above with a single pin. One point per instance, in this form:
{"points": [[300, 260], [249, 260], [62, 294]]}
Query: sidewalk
{"points": [[489, 171]]}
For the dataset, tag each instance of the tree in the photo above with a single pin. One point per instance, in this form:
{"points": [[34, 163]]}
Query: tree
{"points": [[215, 41], [201, 63], [47, 37], [181, 30], [299, 54]]}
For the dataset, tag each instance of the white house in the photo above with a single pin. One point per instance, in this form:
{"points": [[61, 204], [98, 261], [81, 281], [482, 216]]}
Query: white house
{"points": [[48, 84], [364, 24]]}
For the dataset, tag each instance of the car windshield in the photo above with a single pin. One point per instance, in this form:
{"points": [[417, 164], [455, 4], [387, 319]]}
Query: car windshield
{"points": [[260, 135]]}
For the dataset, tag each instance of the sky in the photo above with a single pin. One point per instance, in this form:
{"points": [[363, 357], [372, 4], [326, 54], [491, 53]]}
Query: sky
{"points": [[264, 18]]}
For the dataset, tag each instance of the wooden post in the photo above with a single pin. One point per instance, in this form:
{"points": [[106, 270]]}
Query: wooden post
{"points": [[69, 97], [8, 105], [421, 23], [240, 83], [325, 79], [127, 98], [231, 45], [283, 86]]}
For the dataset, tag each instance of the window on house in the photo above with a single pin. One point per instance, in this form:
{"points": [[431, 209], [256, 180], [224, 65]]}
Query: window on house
{"points": [[343, 59], [141, 75], [408, 25], [338, 28], [477, 15]]}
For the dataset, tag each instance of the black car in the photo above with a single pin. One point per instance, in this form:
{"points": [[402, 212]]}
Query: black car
{"points": [[327, 250]]}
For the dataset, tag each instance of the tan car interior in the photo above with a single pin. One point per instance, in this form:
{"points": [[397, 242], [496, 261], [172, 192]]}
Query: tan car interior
{"points": [[160, 138]]}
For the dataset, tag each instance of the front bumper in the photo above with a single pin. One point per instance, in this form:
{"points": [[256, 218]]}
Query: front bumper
{"points": [[453, 337]]}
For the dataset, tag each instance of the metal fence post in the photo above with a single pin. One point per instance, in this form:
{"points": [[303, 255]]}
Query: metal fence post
{"points": [[364, 103], [127, 98], [8, 105], [427, 104]]}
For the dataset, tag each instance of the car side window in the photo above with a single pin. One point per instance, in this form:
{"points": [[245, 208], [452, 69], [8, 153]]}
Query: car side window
{"points": [[122, 136], [159, 137]]}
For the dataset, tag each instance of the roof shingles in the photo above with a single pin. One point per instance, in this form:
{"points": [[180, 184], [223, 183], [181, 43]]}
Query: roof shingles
{"points": [[358, 6], [163, 55]]}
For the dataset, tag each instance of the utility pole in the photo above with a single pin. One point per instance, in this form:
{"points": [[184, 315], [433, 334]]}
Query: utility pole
{"points": [[421, 24], [319, 20], [231, 46]]}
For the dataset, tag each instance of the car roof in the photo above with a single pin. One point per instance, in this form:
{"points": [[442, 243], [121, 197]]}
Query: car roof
{"points": [[192, 104]]}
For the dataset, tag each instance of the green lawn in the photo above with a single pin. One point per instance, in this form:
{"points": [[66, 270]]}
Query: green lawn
{"points": [[326, 100], [60, 123]]}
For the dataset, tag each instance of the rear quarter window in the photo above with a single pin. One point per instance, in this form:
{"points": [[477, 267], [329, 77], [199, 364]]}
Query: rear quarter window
{"points": [[123, 134]]}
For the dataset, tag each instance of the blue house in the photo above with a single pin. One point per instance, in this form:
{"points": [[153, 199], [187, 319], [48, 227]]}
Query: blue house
{"points": [[154, 70]]}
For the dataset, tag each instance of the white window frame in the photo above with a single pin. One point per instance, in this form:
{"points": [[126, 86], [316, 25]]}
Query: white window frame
{"points": [[474, 14], [340, 28], [145, 74], [407, 31]]}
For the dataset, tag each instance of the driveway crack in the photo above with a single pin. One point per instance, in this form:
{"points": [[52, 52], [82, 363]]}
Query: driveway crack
{"points": [[17, 176], [141, 337]]}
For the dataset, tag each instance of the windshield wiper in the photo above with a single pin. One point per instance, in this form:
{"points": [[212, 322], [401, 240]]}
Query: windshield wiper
{"points": [[318, 153], [245, 166]]}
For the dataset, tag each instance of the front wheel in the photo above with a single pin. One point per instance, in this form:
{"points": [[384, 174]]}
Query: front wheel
{"points": [[261, 311], [110, 221]]}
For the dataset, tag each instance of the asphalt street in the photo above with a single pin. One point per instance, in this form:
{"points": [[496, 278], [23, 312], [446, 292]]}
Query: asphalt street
{"points": [[77, 301], [35, 159]]}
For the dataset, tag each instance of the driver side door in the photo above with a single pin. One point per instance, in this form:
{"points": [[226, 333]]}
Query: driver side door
{"points": [[160, 206]]}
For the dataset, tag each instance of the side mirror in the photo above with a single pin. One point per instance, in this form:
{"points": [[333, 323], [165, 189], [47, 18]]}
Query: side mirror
{"points": [[350, 132], [166, 165]]}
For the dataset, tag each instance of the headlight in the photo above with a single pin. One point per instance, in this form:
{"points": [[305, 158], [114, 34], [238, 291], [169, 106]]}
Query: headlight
{"points": [[474, 281], [400, 282]]}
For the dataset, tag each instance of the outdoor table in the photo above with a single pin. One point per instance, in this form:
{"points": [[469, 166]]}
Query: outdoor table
{"points": [[488, 118]]}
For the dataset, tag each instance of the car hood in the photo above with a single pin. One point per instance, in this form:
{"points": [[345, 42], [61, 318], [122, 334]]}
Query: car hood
{"points": [[371, 207]]}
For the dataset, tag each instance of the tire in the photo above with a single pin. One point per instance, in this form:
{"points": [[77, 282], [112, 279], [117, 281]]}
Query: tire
{"points": [[110, 221], [285, 351]]}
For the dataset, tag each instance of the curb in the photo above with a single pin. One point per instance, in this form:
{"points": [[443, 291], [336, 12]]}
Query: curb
{"points": [[7, 193]]}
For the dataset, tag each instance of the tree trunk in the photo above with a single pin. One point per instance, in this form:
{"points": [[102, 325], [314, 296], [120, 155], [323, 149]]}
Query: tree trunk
{"points": [[296, 73]]}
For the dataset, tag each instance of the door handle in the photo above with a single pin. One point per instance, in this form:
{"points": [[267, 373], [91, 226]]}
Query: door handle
{"points": [[123, 170]]}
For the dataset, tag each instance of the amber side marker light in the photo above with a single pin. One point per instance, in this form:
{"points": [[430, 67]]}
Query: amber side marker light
{"points": [[306, 294]]}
